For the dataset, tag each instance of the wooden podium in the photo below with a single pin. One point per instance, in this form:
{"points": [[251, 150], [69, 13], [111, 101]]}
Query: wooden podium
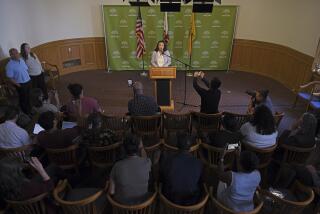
{"points": [[163, 85]]}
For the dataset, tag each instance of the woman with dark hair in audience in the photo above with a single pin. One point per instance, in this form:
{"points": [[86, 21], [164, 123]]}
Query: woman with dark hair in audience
{"points": [[95, 134], [228, 133], [80, 105], [238, 188], [17, 184], [40, 105], [35, 69], [261, 131], [302, 133]]}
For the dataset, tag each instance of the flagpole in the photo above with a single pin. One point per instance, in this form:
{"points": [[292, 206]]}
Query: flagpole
{"points": [[190, 56]]}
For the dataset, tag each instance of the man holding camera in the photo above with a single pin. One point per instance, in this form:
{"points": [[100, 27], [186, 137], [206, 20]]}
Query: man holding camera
{"points": [[210, 97], [259, 97]]}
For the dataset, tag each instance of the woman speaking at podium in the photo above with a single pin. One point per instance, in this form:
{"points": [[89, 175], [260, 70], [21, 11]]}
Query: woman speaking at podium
{"points": [[160, 56]]}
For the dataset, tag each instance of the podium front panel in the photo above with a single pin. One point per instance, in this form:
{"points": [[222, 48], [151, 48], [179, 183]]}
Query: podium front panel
{"points": [[163, 92]]}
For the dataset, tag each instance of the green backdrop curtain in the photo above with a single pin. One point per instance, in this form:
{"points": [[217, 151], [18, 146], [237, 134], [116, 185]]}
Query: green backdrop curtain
{"points": [[211, 48]]}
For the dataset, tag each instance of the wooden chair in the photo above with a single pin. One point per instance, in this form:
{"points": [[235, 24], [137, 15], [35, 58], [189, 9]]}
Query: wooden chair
{"points": [[84, 206], [35, 205], [309, 93], [148, 127], [173, 123], [210, 156], [21, 152], [206, 123], [104, 156], [168, 207], [52, 71], [193, 149], [240, 118], [118, 124], [278, 117], [295, 155], [219, 208], [147, 207], [65, 158], [283, 206], [265, 157]]}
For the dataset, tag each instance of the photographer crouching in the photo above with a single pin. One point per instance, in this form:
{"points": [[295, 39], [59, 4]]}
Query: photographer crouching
{"points": [[258, 98]]}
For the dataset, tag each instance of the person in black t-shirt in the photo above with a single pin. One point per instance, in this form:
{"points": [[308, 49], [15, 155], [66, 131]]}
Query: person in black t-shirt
{"points": [[210, 97]]}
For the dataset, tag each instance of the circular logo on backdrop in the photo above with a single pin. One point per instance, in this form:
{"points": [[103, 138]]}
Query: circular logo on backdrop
{"points": [[226, 12], [125, 64], [213, 64], [115, 55], [223, 54], [113, 12], [178, 44], [204, 54], [151, 34], [225, 34], [214, 44], [151, 12], [171, 35], [160, 23], [132, 54], [187, 12], [132, 12], [216, 23], [186, 34], [206, 34], [196, 44], [114, 34], [186, 55], [124, 44], [132, 34], [196, 64], [198, 23], [178, 23], [123, 23]]}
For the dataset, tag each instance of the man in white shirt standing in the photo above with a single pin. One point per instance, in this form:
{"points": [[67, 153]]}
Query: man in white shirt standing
{"points": [[11, 135]]}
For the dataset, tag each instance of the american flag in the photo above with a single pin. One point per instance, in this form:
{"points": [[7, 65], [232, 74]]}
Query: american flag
{"points": [[140, 36]]}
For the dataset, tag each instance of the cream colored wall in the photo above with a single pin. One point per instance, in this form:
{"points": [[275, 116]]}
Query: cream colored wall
{"points": [[292, 23]]}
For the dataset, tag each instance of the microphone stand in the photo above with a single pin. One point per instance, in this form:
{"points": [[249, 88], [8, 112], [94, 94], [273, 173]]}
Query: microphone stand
{"points": [[185, 81]]}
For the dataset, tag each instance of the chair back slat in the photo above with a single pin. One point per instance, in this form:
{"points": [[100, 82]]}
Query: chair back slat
{"points": [[20, 153], [104, 156], [84, 206], [240, 118], [118, 124], [35, 205], [65, 158], [211, 156], [296, 155], [205, 123], [176, 122], [278, 116], [146, 125]]}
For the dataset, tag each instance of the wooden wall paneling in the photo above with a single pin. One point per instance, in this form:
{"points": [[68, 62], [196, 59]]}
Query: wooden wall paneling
{"points": [[100, 54], [89, 53]]}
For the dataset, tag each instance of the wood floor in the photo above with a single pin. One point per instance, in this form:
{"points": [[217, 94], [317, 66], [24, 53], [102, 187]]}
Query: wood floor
{"points": [[113, 94]]}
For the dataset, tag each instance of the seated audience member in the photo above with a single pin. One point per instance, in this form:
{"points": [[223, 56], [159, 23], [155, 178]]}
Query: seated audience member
{"points": [[53, 137], [302, 133], [141, 105], [15, 183], [261, 131], [80, 106], [181, 174], [129, 177], [236, 189], [227, 135], [11, 135], [38, 103], [17, 72], [258, 98], [96, 135], [210, 97], [35, 69]]}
